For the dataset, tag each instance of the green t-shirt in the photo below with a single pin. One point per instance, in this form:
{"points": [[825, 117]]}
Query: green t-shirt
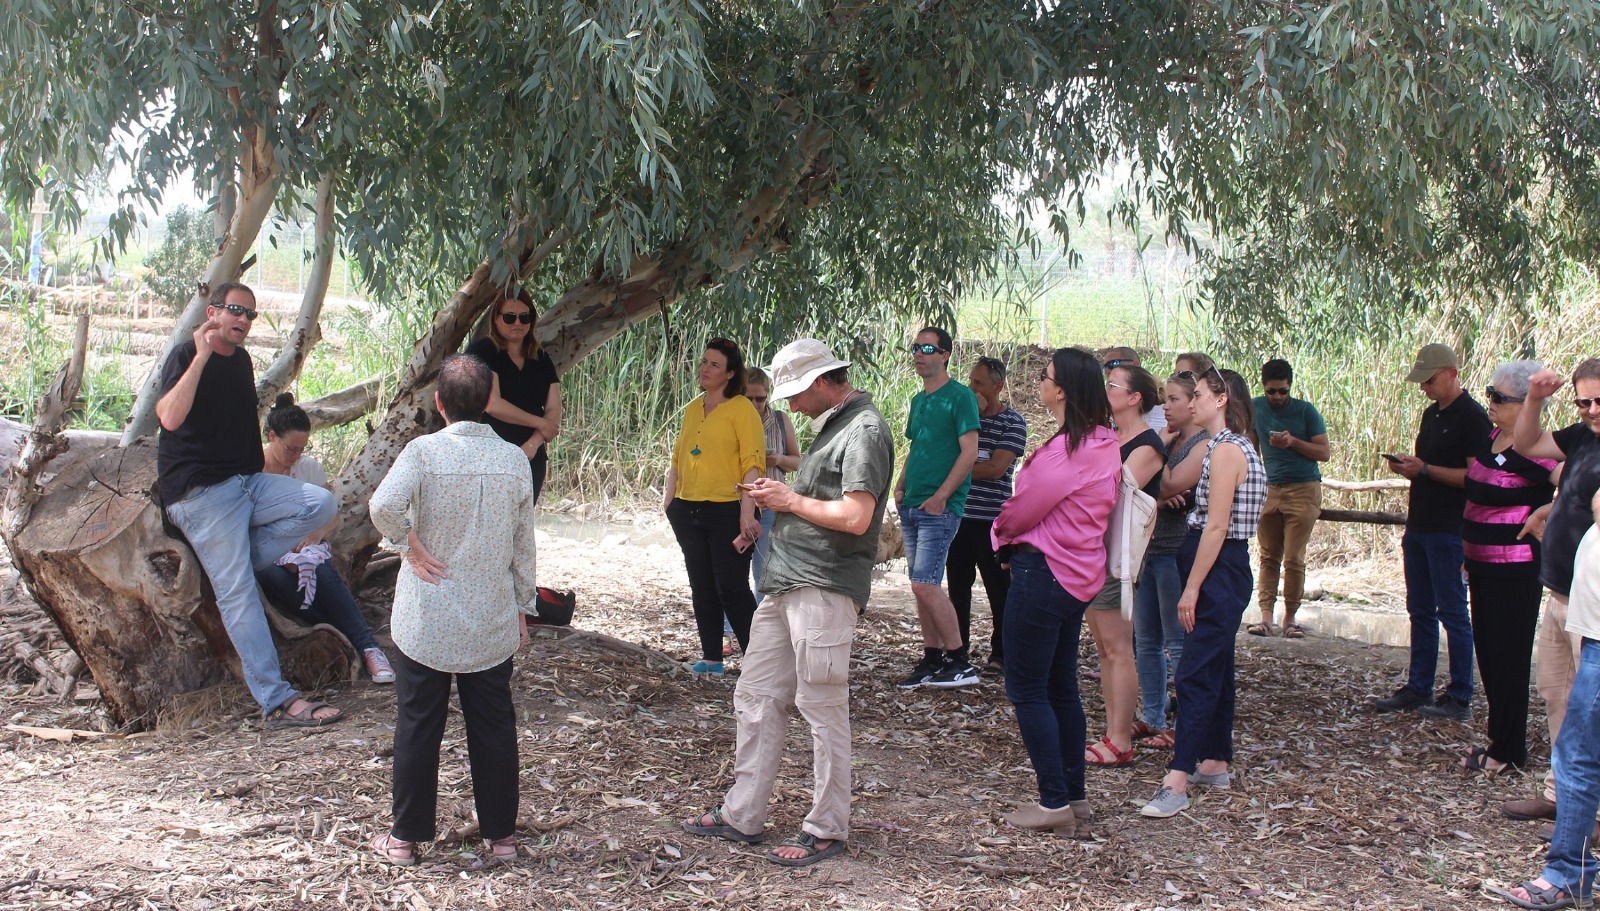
{"points": [[1299, 417], [935, 426], [855, 451]]}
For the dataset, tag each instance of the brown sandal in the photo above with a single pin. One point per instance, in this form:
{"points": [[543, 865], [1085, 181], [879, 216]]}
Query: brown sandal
{"points": [[502, 849], [394, 851], [1161, 740]]}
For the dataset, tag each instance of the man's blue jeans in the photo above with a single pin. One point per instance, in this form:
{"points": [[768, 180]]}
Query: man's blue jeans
{"points": [[1436, 595], [236, 527], [1570, 864]]}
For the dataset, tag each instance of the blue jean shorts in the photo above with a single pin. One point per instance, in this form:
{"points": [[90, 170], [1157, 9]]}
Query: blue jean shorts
{"points": [[928, 540]]}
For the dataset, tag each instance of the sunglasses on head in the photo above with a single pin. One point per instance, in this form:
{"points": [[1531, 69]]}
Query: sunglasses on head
{"points": [[1500, 398], [926, 348], [237, 310], [1116, 362], [511, 319]]}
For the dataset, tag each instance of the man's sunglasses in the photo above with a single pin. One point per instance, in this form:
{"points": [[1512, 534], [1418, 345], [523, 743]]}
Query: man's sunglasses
{"points": [[1277, 392], [237, 310], [511, 319], [1585, 404], [1500, 398], [926, 348]]}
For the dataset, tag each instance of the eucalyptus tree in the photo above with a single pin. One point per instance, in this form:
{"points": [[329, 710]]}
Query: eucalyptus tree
{"points": [[824, 164]]}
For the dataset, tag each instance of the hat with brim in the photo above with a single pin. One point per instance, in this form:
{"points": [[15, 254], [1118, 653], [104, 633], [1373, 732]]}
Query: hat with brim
{"points": [[798, 365], [1430, 360]]}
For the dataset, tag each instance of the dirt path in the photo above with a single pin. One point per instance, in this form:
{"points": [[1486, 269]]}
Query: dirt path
{"points": [[1333, 807]]}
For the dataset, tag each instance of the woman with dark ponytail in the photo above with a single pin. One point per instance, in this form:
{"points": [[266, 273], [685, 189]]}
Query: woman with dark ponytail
{"points": [[304, 585]]}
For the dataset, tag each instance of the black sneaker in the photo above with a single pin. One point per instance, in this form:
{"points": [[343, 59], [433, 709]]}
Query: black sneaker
{"points": [[1403, 700], [1449, 708], [955, 672], [922, 673]]}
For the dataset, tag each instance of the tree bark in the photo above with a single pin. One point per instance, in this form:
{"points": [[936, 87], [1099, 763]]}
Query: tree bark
{"points": [[133, 602], [306, 332]]}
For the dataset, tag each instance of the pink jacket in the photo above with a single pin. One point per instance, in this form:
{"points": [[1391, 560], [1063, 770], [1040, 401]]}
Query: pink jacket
{"points": [[1062, 504]]}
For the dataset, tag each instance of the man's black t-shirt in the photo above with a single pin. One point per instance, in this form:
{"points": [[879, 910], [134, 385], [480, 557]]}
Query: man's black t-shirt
{"points": [[1449, 438], [220, 438], [1570, 517]]}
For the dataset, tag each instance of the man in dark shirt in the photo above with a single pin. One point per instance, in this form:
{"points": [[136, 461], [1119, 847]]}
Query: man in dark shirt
{"points": [[237, 518], [817, 580], [1455, 428]]}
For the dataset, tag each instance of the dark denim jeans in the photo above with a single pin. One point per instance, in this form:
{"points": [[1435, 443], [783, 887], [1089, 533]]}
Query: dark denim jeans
{"points": [[1042, 626], [333, 605], [1436, 595], [1157, 634], [1576, 763], [1205, 677]]}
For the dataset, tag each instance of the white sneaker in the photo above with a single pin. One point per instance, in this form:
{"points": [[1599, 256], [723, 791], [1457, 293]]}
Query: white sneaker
{"points": [[378, 665]]}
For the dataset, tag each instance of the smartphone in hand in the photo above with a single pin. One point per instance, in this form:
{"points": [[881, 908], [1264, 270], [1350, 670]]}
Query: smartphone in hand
{"points": [[1391, 457]]}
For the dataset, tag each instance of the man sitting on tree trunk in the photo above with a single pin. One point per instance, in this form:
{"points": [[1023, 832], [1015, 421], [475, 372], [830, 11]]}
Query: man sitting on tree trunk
{"points": [[237, 518]]}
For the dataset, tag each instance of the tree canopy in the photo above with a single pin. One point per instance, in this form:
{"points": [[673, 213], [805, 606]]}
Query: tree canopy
{"points": [[1368, 154]]}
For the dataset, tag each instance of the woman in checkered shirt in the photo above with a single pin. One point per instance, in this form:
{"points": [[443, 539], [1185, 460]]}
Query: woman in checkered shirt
{"points": [[1214, 562]]}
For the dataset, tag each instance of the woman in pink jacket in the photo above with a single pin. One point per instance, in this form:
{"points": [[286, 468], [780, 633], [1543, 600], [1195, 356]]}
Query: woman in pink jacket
{"points": [[1055, 525]]}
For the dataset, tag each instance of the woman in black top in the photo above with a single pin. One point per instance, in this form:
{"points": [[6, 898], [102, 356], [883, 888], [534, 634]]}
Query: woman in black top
{"points": [[525, 403], [1132, 393]]}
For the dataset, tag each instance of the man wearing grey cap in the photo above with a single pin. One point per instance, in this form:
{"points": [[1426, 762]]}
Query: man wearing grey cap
{"points": [[817, 579], [1455, 428]]}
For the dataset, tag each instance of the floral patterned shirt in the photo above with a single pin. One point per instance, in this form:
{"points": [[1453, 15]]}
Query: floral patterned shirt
{"points": [[469, 497]]}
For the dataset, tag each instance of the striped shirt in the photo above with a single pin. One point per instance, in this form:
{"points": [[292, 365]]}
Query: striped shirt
{"points": [[1248, 500], [1503, 489], [773, 424], [1006, 431]]}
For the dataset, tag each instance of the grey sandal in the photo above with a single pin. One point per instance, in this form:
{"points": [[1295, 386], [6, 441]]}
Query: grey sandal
{"points": [[719, 828], [808, 843]]}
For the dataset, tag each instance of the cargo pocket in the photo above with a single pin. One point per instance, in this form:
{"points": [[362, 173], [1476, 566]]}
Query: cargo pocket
{"points": [[825, 656]]}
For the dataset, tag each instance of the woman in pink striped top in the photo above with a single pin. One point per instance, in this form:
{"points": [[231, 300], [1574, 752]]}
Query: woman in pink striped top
{"points": [[1504, 488], [1055, 525]]}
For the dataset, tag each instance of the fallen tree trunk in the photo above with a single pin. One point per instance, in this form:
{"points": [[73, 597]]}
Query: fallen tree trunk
{"points": [[133, 602]]}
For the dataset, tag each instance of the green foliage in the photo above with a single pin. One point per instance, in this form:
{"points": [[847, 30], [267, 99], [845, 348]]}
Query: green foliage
{"points": [[176, 266]]}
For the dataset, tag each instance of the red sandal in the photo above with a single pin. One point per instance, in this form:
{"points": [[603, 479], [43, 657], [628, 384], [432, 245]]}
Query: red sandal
{"points": [[1097, 752]]}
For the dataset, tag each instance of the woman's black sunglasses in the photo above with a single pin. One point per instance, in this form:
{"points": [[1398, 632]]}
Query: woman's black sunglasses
{"points": [[511, 319], [1500, 398]]}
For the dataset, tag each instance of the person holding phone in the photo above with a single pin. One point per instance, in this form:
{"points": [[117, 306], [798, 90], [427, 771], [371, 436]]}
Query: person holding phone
{"points": [[1454, 430], [1296, 441]]}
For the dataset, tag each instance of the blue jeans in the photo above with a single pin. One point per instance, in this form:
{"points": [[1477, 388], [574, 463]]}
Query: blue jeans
{"points": [[928, 540], [1205, 678], [1157, 634], [1042, 627], [333, 605], [235, 527], [1575, 760], [1436, 595], [768, 516]]}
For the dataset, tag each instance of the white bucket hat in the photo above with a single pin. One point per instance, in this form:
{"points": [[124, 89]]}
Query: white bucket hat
{"points": [[798, 365]]}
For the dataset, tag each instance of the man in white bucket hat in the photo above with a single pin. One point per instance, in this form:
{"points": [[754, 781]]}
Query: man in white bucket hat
{"points": [[817, 579]]}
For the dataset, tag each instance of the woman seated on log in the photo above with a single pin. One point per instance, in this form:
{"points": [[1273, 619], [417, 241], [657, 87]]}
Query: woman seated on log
{"points": [[304, 585]]}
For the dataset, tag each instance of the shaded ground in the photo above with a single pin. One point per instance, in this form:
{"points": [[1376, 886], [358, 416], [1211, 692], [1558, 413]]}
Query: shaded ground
{"points": [[1332, 807]]}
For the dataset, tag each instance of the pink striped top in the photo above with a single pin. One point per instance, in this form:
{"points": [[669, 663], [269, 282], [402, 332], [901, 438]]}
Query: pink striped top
{"points": [[1503, 489]]}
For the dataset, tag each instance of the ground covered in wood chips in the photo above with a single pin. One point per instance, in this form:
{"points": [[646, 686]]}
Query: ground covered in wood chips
{"points": [[1333, 806]]}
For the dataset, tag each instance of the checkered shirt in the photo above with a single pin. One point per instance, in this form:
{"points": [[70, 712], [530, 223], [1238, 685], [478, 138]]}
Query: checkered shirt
{"points": [[1248, 501]]}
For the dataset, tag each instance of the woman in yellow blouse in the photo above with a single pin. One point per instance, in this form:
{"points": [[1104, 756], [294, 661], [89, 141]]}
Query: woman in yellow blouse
{"points": [[720, 446]]}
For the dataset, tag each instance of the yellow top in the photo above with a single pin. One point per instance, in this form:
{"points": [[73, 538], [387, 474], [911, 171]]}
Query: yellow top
{"points": [[715, 451]]}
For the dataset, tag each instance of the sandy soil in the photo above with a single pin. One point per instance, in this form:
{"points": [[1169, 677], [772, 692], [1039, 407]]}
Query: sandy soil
{"points": [[1333, 806]]}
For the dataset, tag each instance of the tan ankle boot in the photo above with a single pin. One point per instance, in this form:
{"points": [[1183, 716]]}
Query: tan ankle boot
{"points": [[1083, 821], [1040, 817]]}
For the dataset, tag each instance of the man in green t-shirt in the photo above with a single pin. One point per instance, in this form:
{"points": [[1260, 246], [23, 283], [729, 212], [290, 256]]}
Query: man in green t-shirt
{"points": [[932, 495], [1293, 440]]}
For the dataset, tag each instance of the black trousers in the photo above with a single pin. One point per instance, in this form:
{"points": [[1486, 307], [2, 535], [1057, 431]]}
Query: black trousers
{"points": [[422, 697], [719, 576], [1505, 618], [972, 554]]}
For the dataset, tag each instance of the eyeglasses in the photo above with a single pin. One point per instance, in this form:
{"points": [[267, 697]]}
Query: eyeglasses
{"points": [[511, 319], [1045, 377], [297, 450], [1277, 392], [1116, 362], [237, 310], [1111, 385], [926, 348], [1585, 404], [1500, 398], [758, 399]]}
